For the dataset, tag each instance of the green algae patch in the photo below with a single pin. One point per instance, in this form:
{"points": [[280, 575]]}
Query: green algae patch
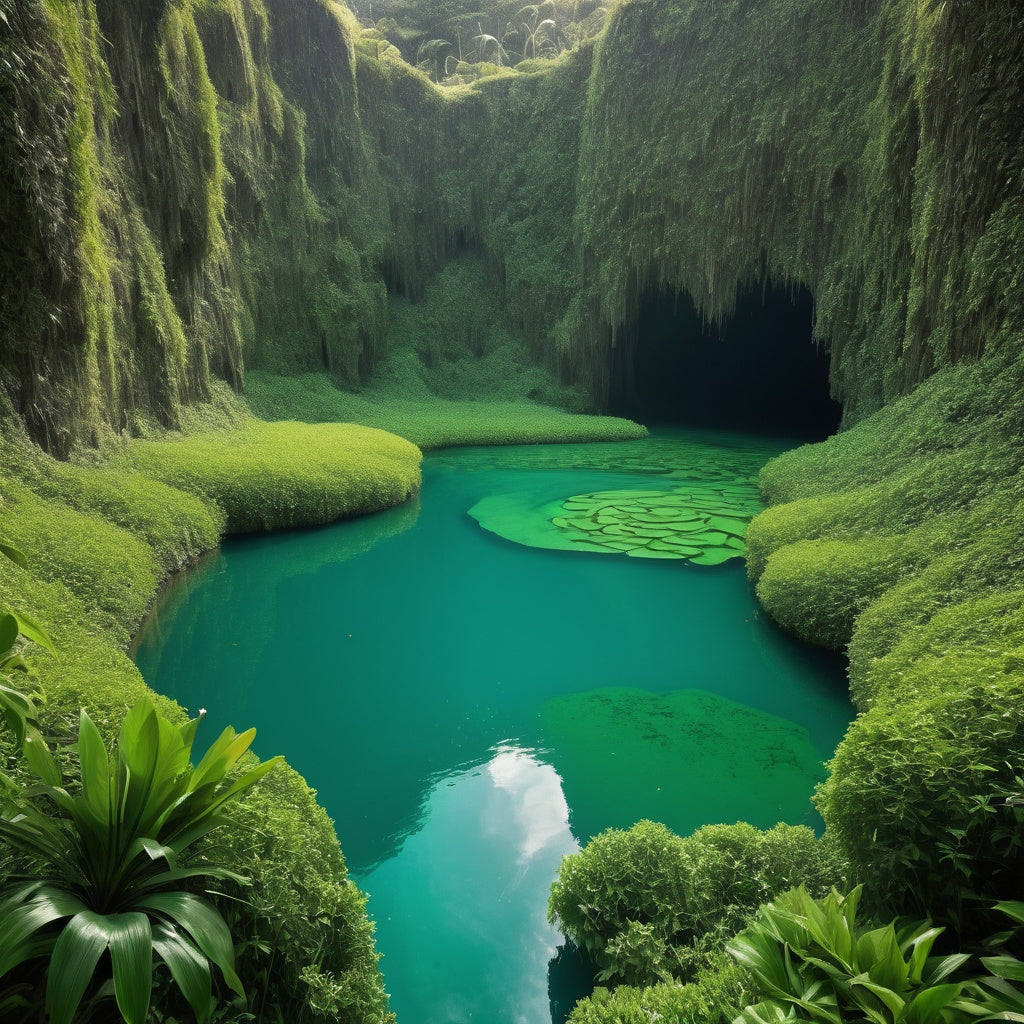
{"points": [[685, 758], [697, 523], [273, 475], [708, 456]]}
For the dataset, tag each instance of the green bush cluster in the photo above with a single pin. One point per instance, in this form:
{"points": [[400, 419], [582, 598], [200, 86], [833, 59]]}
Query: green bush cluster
{"points": [[650, 906], [710, 998], [902, 538]]}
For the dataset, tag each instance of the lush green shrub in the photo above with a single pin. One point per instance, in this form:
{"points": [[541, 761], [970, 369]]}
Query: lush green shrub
{"points": [[648, 905], [301, 925], [915, 799], [108, 866], [817, 588], [711, 998], [271, 475]]}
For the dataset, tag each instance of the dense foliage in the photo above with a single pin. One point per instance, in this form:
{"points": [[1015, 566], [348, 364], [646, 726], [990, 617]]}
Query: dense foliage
{"points": [[109, 863], [814, 960], [651, 906]]}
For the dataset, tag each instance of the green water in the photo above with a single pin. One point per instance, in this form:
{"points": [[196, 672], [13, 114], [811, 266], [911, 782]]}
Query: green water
{"points": [[471, 709]]}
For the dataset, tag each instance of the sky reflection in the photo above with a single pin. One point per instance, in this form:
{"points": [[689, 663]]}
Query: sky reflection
{"points": [[461, 907]]}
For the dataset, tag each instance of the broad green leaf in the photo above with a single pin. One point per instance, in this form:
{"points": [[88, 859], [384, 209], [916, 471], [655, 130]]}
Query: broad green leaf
{"points": [[75, 955], [927, 1005], [31, 629], [8, 631], [922, 945], [38, 755], [204, 923], [189, 969], [1013, 909], [95, 767], [11, 552], [1008, 967], [24, 912], [131, 954], [938, 968], [890, 999]]}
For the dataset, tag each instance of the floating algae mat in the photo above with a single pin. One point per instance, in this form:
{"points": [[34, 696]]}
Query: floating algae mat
{"points": [[470, 710], [624, 754], [704, 525]]}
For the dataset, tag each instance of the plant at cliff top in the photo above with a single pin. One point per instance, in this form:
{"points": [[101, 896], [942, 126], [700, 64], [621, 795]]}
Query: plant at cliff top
{"points": [[430, 58], [108, 863], [538, 35], [16, 708], [486, 43], [816, 963]]}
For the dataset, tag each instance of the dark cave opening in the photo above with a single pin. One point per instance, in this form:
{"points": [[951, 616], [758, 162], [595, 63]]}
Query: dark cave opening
{"points": [[760, 371]]}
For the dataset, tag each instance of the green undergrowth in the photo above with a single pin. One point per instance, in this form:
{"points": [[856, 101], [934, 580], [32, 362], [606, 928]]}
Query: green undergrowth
{"points": [[427, 420], [649, 905], [712, 997], [901, 541], [101, 534], [654, 910]]}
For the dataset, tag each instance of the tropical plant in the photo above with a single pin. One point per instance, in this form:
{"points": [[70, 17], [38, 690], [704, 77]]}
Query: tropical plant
{"points": [[815, 962], [487, 44], [538, 34], [109, 863], [430, 58]]}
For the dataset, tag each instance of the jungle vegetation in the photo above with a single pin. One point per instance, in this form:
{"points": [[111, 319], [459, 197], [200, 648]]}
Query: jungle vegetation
{"points": [[200, 198]]}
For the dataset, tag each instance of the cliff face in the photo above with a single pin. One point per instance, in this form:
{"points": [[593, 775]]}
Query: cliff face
{"points": [[868, 151], [192, 186]]}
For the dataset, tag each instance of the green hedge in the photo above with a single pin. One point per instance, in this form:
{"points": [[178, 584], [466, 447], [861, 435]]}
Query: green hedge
{"points": [[713, 997], [272, 475]]}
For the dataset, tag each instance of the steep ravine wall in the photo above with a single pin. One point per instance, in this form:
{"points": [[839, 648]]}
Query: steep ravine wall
{"points": [[868, 151]]}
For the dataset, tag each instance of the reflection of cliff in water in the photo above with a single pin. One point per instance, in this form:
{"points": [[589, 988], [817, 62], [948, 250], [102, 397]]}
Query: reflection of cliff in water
{"points": [[570, 978], [296, 553]]}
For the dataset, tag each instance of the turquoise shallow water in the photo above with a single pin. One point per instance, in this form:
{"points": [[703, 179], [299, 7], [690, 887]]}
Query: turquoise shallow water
{"points": [[470, 709]]}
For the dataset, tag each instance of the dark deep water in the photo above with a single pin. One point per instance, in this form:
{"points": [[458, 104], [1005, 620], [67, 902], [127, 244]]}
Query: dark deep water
{"points": [[470, 710]]}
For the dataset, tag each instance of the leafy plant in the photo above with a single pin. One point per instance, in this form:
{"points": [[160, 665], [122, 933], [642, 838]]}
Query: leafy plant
{"points": [[111, 862], [649, 905], [815, 962]]}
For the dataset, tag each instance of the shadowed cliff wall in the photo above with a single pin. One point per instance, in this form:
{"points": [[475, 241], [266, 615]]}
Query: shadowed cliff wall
{"points": [[191, 187]]}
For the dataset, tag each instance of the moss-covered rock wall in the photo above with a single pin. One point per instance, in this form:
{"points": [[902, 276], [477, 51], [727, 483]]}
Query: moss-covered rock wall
{"points": [[870, 151]]}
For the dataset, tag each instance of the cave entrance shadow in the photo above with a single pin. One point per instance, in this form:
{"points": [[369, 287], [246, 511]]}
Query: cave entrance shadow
{"points": [[760, 372]]}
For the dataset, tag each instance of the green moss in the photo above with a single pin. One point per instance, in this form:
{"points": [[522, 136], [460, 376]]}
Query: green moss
{"points": [[931, 616], [272, 475]]}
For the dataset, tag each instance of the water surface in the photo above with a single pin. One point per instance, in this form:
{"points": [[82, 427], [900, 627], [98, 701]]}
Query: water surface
{"points": [[470, 709]]}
